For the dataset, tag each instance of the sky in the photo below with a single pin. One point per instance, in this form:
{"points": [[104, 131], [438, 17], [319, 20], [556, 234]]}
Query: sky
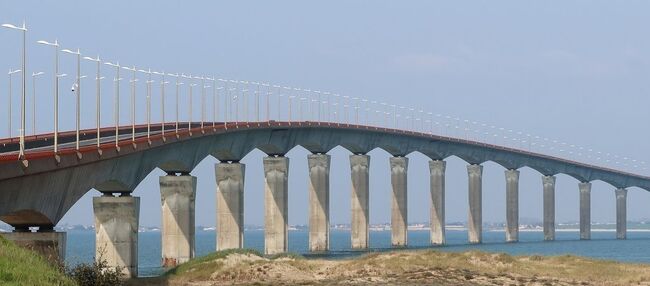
{"points": [[573, 70]]}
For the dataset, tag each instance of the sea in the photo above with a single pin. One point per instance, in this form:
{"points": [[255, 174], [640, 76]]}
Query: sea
{"points": [[603, 245]]}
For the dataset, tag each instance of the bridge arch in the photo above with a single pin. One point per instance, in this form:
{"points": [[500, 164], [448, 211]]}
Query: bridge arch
{"points": [[65, 183]]}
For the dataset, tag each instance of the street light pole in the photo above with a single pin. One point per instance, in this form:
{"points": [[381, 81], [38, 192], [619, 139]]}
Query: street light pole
{"points": [[116, 102], [178, 84], [148, 96], [34, 75], [162, 101], [214, 101], [78, 92], [268, 100], [10, 96], [56, 91], [190, 86], [21, 153], [98, 79], [202, 100], [133, 80]]}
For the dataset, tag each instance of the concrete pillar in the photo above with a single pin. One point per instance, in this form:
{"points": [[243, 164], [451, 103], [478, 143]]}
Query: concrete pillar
{"points": [[399, 207], [276, 174], [359, 167], [230, 205], [49, 243], [437, 185], [116, 231], [585, 210], [319, 202], [548, 183], [177, 195], [621, 213], [475, 219], [512, 205]]}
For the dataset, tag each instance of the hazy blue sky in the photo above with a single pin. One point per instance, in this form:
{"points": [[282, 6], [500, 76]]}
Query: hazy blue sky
{"points": [[573, 70]]}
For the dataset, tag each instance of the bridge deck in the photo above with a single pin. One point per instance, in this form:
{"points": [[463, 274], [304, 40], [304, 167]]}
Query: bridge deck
{"points": [[42, 145]]}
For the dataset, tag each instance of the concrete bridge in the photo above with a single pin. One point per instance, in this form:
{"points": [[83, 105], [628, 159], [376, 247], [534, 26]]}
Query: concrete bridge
{"points": [[42, 176], [39, 187]]}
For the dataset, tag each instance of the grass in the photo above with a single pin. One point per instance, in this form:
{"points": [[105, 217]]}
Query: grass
{"points": [[566, 266], [20, 266], [404, 266]]}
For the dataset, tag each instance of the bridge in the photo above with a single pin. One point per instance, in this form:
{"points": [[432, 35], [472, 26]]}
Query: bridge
{"points": [[43, 175]]}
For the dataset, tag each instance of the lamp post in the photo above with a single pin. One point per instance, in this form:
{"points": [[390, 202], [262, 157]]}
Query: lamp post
{"points": [[21, 153], [336, 109], [98, 97], [226, 93], [34, 75], [278, 89], [234, 99], [56, 91], [318, 103], [190, 86], [116, 102], [178, 84], [257, 101], [203, 86], [244, 92], [346, 104], [148, 95], [268, 100], [162, 101], [133, 81], [11, 72], [214, 101], [78, 92]]}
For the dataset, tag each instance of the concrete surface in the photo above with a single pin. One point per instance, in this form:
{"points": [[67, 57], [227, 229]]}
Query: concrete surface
{"points": [[230, 205]]}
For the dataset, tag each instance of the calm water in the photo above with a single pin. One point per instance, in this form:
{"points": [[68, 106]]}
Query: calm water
{"points": [[81, 245]]}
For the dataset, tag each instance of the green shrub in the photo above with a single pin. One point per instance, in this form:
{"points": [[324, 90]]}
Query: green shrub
{"points": [[97, 273]]}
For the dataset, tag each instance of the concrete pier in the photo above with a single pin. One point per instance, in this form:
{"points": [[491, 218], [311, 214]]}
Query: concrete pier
{"points": [[48, 243], [512, 205], [621, 213], [399, 206], [319, 202], [585, 210], [475, 196], [437, 185], [230, 205], [359, 167], [116, 231], [177, 194], [548, 183], [276, 174]]}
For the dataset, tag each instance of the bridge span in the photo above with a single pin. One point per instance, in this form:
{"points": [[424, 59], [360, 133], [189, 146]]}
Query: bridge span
{"points": [[37, 189]]}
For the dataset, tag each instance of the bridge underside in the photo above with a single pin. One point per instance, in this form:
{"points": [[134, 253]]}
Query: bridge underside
{"points": [[41, 193]]}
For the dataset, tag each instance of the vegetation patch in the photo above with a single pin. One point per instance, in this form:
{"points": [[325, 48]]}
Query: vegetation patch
{"points": [[247, 267], [19, 266]]}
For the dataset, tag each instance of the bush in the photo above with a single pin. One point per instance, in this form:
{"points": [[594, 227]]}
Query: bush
{"points": [[97, 273]]}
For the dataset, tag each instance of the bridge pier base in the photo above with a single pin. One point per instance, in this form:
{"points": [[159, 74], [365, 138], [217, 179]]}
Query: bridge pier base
{"points": [[116, 231], [585, 210], [399, 207], [46, 242], [177, 194], [621, 213], [359, 167], [548, 183], [276, 207], [230, 205], [319, 202], [512, 205], [437, 186], [475, 220]]}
